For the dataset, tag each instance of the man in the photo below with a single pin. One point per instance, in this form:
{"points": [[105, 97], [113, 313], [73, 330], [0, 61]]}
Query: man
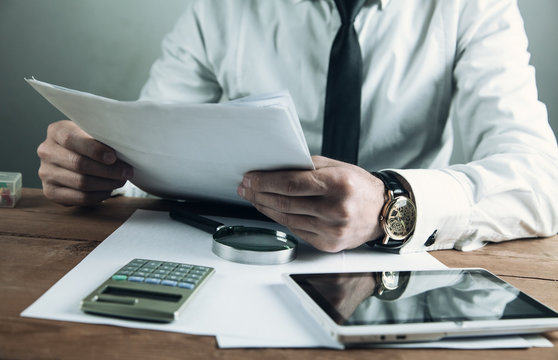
{"points": [[449, 104]]}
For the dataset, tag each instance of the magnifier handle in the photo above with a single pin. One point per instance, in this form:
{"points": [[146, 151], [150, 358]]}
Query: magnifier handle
{"points": [[195, 220]]}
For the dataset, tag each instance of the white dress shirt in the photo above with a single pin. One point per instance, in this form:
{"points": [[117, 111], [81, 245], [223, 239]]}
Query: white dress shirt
{"points": [[449, 100], [436, 298]]}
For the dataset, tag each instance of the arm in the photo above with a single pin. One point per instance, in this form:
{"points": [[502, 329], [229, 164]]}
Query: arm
{"points": [[503, 187], [78, 170]]}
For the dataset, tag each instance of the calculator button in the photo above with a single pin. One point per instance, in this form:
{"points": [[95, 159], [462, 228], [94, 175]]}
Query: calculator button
{"points": [[173, 277], [186, 285], [155, 263], [178, 273], [141, 273], [119, 277], [136, 262], [124, 272], [152, 280], [169, 282], [136, 278], [130, 268]]}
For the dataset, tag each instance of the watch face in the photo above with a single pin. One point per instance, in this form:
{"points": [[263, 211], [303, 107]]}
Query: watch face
{"points": [[400, 218], [390, 280]]}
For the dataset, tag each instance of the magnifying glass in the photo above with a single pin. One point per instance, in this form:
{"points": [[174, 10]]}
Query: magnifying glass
{"points": [[243, 244]]}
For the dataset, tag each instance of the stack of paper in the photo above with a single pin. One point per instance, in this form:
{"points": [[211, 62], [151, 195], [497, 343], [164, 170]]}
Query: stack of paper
{"points": [[190, 151]]}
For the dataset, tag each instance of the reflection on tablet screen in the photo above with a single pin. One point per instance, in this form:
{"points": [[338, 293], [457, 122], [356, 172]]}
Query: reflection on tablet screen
{"points": [[418, 297]]}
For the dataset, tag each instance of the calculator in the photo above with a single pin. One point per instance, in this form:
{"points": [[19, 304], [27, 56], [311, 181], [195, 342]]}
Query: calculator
{"points": [[147, 290]]}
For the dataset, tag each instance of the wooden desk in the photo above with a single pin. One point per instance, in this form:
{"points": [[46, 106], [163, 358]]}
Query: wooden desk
{"points": [[41, 241]]}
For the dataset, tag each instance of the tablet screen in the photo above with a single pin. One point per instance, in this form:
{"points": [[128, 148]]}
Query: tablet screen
{"points": [[418, 297]]}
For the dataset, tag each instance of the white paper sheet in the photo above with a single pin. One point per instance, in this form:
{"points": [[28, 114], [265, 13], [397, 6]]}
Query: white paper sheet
{"points": [[190, 150], [243, 305], [245, 301]]}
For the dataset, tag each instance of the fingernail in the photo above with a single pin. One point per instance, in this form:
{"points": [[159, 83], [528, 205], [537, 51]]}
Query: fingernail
{"points": [[109, 157], [246, 181], [127, 173], [241, 191]]}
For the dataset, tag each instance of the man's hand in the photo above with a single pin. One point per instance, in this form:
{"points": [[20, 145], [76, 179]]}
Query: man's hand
{"points": [[345, 292], [77, 169], [334, 207]]}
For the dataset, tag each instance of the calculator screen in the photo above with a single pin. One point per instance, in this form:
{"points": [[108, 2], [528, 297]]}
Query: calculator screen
{"points": [[142, 294]]}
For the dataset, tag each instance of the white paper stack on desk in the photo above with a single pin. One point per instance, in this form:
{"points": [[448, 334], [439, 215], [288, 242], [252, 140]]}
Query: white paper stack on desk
{"points": [[190, 151]]}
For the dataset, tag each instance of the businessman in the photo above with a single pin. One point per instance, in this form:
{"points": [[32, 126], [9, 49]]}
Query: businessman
{"points": [[423, 117]]}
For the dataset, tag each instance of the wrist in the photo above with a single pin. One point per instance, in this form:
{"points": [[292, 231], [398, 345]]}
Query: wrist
{"points": [[398, 215]]}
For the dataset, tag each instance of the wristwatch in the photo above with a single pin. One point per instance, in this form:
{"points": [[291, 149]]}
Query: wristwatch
{"points": [[390, 285], [399, 214]]}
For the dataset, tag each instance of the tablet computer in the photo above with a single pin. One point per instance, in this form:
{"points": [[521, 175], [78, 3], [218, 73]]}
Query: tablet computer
{"points": [[411, 306]]}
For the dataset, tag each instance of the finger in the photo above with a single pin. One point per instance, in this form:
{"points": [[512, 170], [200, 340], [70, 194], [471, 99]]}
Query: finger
{"points": [[72, 137], [316, 240], [57, 176], [67, 159], [285, 204], [305, 227], [322, 236], [67, 196], [292, 183], [326, 208], [293, 222], [321, 162]]}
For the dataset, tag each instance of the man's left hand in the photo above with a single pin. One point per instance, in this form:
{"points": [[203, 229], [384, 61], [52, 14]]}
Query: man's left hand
{"points": [[334, 207]]}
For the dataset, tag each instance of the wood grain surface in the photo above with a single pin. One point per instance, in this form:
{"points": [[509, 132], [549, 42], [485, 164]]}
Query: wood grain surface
{"points": [[41, 241]]}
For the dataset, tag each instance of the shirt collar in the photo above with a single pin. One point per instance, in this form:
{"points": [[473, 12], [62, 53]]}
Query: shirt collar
{"points": [[383, 3]]}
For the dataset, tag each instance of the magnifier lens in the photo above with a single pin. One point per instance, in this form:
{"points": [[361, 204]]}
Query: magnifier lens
{"points": [[243, 244], [255, 242]]}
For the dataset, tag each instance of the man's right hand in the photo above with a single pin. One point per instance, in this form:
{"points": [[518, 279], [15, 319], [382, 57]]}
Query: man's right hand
{"points": [[77, 169]]}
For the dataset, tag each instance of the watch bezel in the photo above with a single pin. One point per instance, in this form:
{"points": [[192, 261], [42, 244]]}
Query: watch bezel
{"points": [[384, 218]]}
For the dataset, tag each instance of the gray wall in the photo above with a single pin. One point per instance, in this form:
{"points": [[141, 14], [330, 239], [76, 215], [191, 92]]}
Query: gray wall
{"points": [[106, 47]]}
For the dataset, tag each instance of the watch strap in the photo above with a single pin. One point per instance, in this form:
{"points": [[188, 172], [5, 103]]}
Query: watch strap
{"points": [[397, 189], [391, 183]]}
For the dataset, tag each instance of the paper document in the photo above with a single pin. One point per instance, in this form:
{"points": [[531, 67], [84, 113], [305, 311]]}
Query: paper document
{"points": [[247, 302], [188, 151], [242, 305]]}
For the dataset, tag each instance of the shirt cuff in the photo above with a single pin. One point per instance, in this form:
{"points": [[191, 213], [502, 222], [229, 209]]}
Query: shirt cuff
{"points": [[131, 190], [443, 210]]}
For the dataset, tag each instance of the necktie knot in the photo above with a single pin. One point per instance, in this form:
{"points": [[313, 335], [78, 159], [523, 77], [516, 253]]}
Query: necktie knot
{"points": [[348, 9]]}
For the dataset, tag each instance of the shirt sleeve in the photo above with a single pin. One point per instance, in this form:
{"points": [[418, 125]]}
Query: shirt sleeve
{"points": [[183, 73], [505, 187]]}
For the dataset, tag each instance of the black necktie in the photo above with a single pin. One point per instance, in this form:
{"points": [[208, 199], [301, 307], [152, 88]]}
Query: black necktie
{"points": [[344, 84]]}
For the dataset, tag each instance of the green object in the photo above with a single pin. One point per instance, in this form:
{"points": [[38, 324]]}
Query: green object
{"points": [[147, 290]]}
